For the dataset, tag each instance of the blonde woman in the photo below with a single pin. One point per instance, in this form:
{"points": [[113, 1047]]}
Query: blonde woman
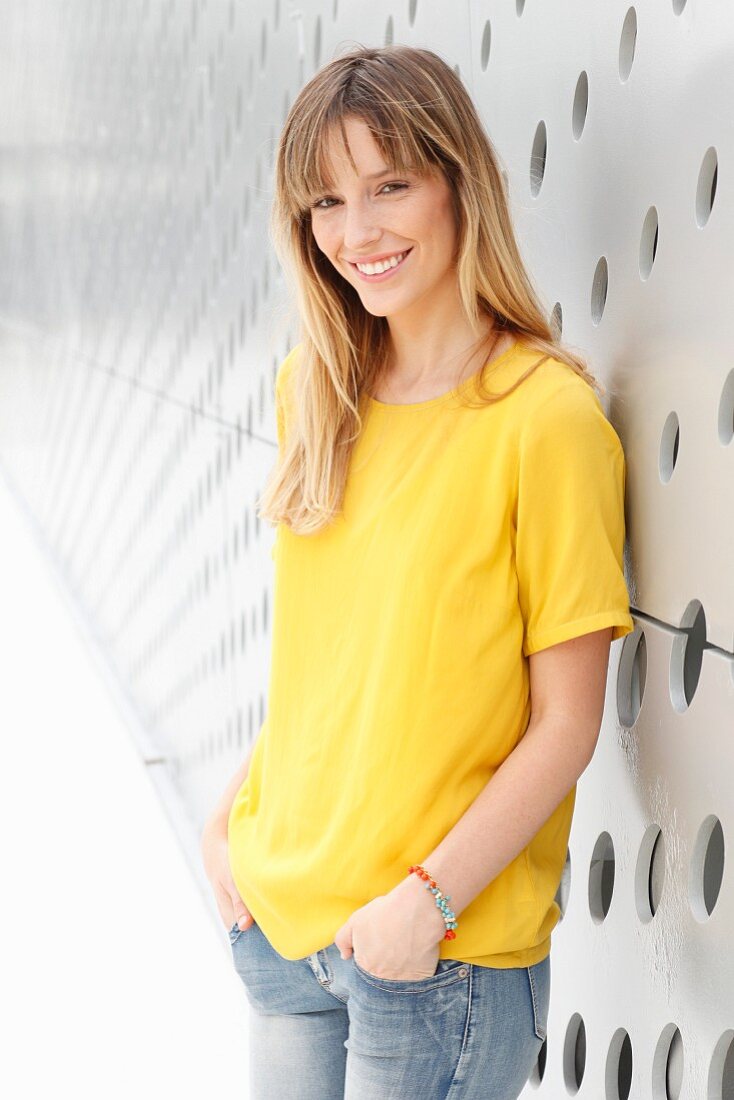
{"points": [[449, 501]]}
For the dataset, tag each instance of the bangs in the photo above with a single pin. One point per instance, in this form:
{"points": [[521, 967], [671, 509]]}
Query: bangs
{"points": [[310, 170]]}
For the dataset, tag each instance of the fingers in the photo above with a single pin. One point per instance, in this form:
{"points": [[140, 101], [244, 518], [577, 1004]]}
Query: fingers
{"points": [[232, 908], [241, 913]]}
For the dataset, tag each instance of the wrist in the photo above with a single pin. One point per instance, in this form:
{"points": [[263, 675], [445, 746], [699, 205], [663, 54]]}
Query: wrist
{"points": [[412, 893]]}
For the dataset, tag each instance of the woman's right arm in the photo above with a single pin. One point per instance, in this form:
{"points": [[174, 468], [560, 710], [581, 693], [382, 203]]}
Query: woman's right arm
{"points": [[215, 852], [217, 821]]}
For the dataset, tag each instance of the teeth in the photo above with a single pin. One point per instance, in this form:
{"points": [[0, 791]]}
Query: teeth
{"points": [[382, 265]]}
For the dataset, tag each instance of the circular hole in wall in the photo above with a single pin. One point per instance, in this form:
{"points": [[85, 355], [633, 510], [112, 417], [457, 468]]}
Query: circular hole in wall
{"points": [[574, 1054], [538, 1071], [618, 1068], [650, 873], [580, 105], [556, 320], [669, 443], [486, 44], [648, 243], [599, 289], [537, 158], [631, 676], [707, 868], [601, 878], [706, 189], [686, 656], [627, 41], [721, 1071], [564, 887], [726, 411], [667, 1065]]}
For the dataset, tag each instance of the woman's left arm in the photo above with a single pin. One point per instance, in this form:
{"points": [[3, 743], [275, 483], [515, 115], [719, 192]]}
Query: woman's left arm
{"points": [[567, 689], [400, 932]]}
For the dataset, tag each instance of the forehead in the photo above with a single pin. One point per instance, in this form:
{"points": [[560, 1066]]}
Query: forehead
{"points": [[350, 148]]}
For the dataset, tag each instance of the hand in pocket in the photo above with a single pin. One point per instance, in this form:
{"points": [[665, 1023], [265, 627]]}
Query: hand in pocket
{"points": [[215, 855]]}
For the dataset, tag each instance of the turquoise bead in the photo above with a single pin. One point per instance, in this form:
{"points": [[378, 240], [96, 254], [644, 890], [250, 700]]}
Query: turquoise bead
{"points": [[442, 902]]}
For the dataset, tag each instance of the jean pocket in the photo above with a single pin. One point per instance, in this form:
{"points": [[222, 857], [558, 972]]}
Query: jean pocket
{"points": [[235, 931], [539, 982], [447, 972]]}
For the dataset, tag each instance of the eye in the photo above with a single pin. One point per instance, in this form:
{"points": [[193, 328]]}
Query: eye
{"points": [[317, 205]]}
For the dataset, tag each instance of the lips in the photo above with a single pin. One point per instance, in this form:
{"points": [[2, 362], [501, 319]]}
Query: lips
{"points": [[383, 274]]}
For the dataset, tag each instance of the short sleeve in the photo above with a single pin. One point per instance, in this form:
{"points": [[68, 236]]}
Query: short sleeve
{"points": [[569, 521]]}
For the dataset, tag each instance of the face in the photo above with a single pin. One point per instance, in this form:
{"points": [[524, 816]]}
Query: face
{"points": [[376, 214]]}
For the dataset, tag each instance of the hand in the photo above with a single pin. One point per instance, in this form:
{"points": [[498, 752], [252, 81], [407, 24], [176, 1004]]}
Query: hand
{"points": [[395, 935], [215, 853]]}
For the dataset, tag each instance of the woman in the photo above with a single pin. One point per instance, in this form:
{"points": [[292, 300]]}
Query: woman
{"points": [[448, 579]]}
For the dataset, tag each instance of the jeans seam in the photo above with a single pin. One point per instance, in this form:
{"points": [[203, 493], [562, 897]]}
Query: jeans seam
{"points": [[540, 1031], [465, 1037], [326, 984]]}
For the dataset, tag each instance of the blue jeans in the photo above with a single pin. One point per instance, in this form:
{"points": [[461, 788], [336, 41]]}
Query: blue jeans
{"points": [[323, 1028]]}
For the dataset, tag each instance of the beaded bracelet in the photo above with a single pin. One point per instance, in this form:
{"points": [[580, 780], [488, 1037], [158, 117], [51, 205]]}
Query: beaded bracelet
{"points": [[441, 900]]}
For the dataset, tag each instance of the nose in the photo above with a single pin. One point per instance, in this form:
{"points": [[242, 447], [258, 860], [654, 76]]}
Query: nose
{"points": [[360, 231]]}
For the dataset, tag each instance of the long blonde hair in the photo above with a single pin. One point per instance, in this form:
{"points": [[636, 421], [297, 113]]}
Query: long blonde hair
{"points": [[421, 117]]}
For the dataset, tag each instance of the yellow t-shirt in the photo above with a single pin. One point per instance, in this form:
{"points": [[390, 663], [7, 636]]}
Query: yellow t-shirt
{"points": [[399, 680]]}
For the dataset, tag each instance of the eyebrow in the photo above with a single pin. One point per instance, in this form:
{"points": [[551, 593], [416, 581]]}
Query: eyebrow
{"points": [[378, 175]]}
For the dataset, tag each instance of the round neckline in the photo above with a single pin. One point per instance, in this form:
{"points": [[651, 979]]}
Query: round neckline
{"points": [[442, 397]]}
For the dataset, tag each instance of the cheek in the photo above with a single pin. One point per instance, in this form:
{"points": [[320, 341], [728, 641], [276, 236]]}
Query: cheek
{"points": [[438, 224], [322, 238], [330, 246], [446, 221]]}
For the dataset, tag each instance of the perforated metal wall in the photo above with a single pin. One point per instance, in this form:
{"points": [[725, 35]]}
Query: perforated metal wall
{"points": [[142, 316]]}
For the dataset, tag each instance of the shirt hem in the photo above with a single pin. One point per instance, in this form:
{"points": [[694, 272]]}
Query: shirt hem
{"points": [[620, 620], [527, 956]]}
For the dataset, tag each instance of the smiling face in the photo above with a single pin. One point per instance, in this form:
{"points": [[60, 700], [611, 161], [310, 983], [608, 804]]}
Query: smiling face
{"points": [[378, 213]]}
